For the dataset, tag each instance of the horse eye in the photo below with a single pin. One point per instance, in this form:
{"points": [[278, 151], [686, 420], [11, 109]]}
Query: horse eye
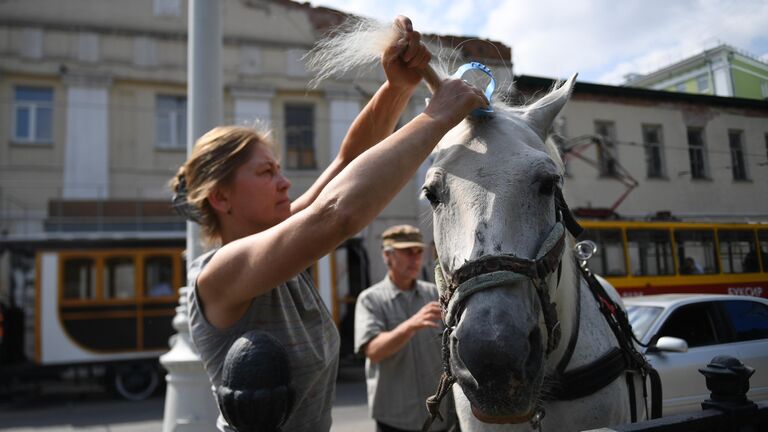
{"points": [[430, 195], [547, 184]]}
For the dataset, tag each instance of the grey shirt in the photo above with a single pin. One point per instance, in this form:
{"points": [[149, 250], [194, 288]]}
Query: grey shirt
{"points": [[294, 314], [399, 385]]}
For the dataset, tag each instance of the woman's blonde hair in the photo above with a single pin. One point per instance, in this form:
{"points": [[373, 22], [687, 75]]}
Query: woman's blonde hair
{"points": [[214, 160]]}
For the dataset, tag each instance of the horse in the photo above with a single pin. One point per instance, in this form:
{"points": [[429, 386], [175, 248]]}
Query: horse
{"points": [[526, 343]]}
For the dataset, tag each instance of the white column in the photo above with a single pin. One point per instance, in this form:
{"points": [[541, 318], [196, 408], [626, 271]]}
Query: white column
{"points": [[86, 149], [189, 402], [343, 108], [253, 105]]}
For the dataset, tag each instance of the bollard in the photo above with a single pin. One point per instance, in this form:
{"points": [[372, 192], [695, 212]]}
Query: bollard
{"points": [[255, 394], [728, 381]]}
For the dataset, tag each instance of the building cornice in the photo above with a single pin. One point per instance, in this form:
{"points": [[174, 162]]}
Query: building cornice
{"points": [[252, 91], [527, 82]]}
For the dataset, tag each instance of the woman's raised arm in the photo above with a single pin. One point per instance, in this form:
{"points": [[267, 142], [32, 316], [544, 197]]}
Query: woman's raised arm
{"points": [[253, 265], [403, 63]]}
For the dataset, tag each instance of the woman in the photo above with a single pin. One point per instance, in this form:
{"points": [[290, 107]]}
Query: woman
{"points": [[235, 189]]}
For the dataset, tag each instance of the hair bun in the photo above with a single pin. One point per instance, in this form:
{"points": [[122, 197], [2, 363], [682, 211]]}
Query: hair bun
{"points": [[179, 201]]}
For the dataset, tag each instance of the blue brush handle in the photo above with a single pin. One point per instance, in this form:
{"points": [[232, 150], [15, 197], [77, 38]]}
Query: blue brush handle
{"points": [[489, 89]]}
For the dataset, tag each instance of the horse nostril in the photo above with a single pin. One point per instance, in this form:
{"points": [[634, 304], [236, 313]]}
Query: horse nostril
{"points": [[535, 352]]}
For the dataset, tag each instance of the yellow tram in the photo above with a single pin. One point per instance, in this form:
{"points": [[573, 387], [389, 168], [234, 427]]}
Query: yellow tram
{"points": [[657, 257], [98, 308], [103, 307]]}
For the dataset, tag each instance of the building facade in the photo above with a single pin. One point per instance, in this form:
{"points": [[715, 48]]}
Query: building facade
{"points": [[639, 152], [93, 112], [720, 71]]}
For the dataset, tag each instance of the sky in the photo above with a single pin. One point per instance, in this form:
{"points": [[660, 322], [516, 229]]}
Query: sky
{"points": [[602, 40]]}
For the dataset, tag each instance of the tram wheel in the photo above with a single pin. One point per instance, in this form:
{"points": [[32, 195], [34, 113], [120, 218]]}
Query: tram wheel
{"points": [[135, 381]]}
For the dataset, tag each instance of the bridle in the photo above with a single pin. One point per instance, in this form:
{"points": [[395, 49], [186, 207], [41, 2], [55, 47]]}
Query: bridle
{"points": [[492, 271]]}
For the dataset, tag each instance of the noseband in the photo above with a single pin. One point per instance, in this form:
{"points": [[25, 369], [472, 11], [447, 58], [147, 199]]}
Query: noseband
{"points": [[491, 271]]}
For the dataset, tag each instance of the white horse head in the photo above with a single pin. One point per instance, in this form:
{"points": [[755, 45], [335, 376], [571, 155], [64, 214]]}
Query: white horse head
{"points": [[492, 188]]}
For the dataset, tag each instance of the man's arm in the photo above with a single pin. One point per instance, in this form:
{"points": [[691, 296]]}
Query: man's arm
{"points": [[389, 343]]}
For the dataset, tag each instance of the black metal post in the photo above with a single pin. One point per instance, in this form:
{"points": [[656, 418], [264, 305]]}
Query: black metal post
{"points": [[728, 381]]}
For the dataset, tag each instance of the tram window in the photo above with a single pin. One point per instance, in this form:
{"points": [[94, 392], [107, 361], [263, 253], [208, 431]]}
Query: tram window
{"points": [[609, 258], [119, 278], [696, 251], [79, 276], [158, 276], [738, 253], [650, 252], [762, 238]]}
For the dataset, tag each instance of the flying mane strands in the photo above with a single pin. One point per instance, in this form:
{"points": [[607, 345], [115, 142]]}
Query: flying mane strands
{"points": [[356, 43], [360, 42]]}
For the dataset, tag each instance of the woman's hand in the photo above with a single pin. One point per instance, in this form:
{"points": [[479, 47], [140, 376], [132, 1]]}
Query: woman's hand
{"points": [[404, 60], [453, 101]]}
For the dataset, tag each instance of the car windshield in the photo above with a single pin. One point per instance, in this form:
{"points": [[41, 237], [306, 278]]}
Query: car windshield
{"points": [[641, 318]]}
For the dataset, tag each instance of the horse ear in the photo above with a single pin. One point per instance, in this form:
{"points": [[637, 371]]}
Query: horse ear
{"points": [[542, 113]]}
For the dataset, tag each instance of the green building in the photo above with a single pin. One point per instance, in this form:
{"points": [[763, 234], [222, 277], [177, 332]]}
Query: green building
{"points": [[720, 71]]}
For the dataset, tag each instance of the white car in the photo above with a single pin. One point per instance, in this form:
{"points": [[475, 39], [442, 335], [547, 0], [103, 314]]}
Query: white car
{"points": [[686, 331]]}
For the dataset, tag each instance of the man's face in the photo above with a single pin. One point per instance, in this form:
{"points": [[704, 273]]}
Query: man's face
{"points": [[405, 263]]}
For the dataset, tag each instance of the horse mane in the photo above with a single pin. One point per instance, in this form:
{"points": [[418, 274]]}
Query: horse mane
{"points": [[358, 44]]}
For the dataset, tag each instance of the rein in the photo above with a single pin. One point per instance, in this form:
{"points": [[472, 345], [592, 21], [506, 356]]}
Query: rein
{"points": [[495, 270]]}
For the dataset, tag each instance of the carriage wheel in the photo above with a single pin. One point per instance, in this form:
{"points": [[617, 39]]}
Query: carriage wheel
{"points": [[135, 381]]}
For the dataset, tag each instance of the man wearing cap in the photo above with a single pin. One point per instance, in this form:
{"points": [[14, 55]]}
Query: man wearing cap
{"points": [[398, 328]]}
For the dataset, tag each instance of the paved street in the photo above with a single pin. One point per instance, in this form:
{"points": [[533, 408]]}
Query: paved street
{"points": [[61, 408]]}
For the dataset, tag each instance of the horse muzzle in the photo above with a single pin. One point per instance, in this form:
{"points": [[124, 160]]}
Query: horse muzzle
{"points": [[497, 353]]}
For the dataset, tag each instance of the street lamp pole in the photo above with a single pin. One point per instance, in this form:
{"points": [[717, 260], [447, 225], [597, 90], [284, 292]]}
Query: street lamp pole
{"points": [[189, 402]]}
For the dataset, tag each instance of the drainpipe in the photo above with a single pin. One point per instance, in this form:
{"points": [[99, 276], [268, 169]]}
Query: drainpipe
{"points": [[730, 74], [189, 402]]}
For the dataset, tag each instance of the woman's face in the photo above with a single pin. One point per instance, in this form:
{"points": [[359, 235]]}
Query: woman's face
{"points": [[259, 192]]}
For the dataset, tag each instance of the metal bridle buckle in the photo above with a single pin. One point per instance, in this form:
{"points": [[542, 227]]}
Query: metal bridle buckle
{"points": [[584, 250]]}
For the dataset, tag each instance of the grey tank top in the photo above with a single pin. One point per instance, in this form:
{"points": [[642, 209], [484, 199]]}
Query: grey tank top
{"points": [[294, 314]]}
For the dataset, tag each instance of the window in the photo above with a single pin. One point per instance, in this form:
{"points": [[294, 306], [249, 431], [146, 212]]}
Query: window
{"points": [[33, 114], [641, 318], [609, 258], [762, 239], [697, 153], [702, 83], [171, 122], [158, 276], [749, 319], [167, 8], [694, 323], [650, 252], [680, 87], [738, 253], [79, 277], [654, 153], [119, 278], [696, 251], [738, 167], [606, 148], [300, 137]]}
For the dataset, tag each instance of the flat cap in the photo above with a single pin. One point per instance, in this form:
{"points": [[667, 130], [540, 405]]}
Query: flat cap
{"points": [[401, 237]]}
